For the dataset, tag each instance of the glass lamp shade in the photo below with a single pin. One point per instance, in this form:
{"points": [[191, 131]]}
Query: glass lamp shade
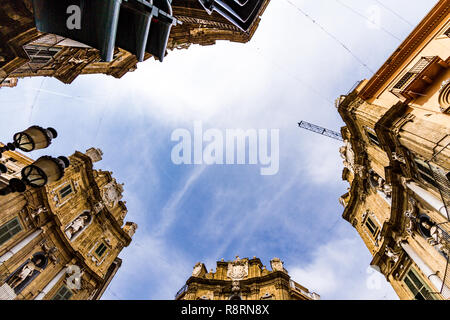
{"points": [[34, 138], [44, 170]]}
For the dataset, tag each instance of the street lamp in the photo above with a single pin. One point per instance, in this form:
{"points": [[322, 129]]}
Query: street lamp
{"points": [[44, 170], [33, 138]]}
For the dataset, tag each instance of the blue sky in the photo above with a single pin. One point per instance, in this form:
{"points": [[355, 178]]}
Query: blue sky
{"points": [[290, 71]]}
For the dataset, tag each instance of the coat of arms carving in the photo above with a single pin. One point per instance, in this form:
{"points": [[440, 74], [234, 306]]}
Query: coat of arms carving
{"points": [[238, 269]]}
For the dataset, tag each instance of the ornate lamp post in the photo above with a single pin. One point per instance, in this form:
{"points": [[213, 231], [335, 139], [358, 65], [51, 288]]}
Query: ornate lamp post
{"points": [[34, 138], [44, 170]]}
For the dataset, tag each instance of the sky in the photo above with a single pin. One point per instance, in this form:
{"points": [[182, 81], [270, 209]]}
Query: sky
{"points": [[293, 69]]}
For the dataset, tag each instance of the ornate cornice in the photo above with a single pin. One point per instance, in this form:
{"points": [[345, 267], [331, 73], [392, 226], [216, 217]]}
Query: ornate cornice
{"points": [[412, 43]]}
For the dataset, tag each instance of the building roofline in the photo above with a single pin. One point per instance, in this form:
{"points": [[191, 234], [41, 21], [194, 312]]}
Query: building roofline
{"points": [[413, 42]]}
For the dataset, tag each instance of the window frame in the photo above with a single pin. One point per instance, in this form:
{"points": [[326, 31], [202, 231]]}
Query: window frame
{"points": [[369, 221], [106, 248], [60, 191], [58, 293], [8, 229], [372, 136], [424, 285]]}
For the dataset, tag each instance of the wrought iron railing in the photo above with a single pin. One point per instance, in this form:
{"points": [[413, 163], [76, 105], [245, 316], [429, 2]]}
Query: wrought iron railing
{"points": [[442, 182], [181, 291], [411, 75]]}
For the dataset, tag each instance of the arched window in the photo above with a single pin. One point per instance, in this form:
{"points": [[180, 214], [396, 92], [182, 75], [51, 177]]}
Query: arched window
{"points": [[78, 225], [235, 297], [29, 270]]}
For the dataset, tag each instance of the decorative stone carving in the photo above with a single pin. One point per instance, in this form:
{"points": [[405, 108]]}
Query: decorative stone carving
{"points": [[98, 207], [380, 184], [50, 251], [36, 213], [78, 225], [235, 286], [440, 240], [130, 228], [444, 96], [398, 157], [411, 216], [112, 193], [277, 265], [391, 254], [238, 269], [348, 155], [95, 154], [26, 271], [197, 269]]}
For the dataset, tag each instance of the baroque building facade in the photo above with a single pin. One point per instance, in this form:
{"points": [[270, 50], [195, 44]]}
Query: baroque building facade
{"points": [[397, 161], [243, 279], [62, 241], [26, 52]]}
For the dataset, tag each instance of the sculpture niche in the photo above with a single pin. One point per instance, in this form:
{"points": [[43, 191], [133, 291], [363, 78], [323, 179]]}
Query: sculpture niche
{"points": [[78, 225]]}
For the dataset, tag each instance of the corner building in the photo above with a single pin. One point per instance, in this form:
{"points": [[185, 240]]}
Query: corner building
{"points": [[26, 52], [62, 241], [243, 279], [397, 161]]}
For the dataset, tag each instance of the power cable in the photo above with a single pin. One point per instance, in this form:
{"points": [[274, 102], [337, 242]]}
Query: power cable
{"points": [[332, 36], [394, 13], [369, 20]]}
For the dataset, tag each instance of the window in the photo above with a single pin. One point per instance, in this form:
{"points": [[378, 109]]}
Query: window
{"points": [[9, 230], [372, 136], [64, 192], [447, 32], [417, 287], [425, 173], [63, 293], [101, 250], [370, 224]]}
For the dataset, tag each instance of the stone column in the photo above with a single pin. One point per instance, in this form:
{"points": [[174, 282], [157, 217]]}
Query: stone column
{"points": [[19, 246], [50, 285], [435, 280], [428, 197]]}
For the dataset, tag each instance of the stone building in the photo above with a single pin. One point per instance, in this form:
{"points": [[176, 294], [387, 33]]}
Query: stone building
{"points": [[62, 241], [243, 279], [26, 52], [397, 161]]}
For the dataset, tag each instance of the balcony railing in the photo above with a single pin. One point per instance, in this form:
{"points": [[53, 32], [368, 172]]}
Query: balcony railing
{"points": [[181, 291], [311, 295], [414, 82]]}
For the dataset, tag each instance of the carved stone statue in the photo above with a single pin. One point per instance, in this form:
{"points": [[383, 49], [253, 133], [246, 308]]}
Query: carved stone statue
{"points": [[391, 254], [348, 155], [76, 226], [95, 154], [130, 228], [235, 286], [26, 271], [197, 269], [238, 269], [398, 157], [440, 239], [277, 264]]}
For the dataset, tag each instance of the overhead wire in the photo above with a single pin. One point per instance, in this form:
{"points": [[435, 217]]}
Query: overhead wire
{"points": [[368, 19], [342, 44], [394, 13]]}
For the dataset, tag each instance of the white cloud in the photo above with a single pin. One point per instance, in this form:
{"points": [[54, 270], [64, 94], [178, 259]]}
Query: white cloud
{"points": [[339, 270]]}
